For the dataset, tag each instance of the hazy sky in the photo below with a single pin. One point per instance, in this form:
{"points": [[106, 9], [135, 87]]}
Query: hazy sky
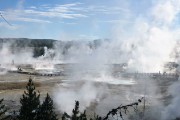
{"points": [[71, 19]]}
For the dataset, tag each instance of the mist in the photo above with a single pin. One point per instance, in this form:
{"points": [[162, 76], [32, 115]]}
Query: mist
{"points": [[145, 46]]}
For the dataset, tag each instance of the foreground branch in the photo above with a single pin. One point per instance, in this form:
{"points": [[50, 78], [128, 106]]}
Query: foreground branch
{"points": [[124, 109]]}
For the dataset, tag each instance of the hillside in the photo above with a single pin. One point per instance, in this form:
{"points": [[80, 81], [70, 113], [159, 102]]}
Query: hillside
{"points": [[37, 45]]}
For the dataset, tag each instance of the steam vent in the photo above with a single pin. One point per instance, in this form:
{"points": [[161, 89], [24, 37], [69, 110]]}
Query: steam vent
{"points": [[89, 60]]}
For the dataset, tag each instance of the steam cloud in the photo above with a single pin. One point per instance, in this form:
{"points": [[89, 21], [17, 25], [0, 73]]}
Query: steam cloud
{"points": [[145, 48]]}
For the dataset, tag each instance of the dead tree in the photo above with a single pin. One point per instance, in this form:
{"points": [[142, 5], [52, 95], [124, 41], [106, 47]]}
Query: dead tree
{"points": [[123, 109]]}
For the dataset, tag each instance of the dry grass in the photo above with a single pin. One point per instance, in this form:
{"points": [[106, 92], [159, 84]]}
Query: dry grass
{"points": [[15, 85]]}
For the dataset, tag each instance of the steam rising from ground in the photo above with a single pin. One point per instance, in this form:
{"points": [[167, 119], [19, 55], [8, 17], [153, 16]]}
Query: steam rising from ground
{"points": [[172, 110], [85, 94], [145, 47]]}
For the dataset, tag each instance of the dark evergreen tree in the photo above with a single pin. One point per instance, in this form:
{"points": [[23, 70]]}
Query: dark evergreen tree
{"points": [[83, 116], [3, 110], [76, 115], [75, 111], [46, 110], [29, 103]]}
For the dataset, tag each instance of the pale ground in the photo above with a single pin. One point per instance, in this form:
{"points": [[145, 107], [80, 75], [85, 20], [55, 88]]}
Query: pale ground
{"points": [[12, 86]]}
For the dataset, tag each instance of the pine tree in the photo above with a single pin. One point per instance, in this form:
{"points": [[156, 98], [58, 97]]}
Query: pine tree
{"points": [[46, 110], [3, 110], [75, 111], [76, 115], [83, 116], [29, 103]]}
